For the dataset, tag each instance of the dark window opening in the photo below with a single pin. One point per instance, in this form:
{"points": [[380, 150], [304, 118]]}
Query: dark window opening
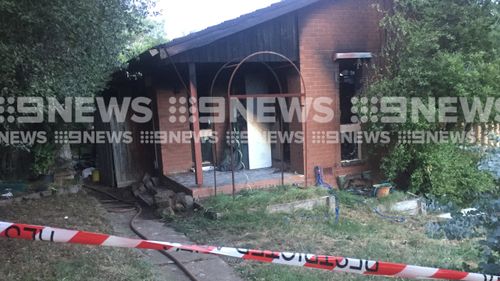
{"points": [[350, 74]]}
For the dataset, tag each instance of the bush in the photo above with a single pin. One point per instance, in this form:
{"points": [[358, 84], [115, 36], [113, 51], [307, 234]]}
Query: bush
{"points": [[459, 228], [44, 159], [435, 49], [491, 254], [484, 221], [443, 170]]}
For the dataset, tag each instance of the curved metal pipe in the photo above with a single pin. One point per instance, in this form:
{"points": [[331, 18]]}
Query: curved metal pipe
{"points": [[214, 145], [228, 65], [303, 93]]}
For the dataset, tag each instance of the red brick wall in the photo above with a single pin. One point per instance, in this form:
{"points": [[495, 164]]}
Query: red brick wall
{"points": [[176, 157], [325, 28]]}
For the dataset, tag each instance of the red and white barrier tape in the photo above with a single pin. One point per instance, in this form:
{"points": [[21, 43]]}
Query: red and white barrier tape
{"points": [[331, 263]]}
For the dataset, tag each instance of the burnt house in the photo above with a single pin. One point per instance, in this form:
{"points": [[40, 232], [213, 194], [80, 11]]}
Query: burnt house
{"points": [[294, 49]]}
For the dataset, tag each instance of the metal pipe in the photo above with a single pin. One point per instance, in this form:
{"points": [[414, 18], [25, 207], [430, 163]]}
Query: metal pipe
{"points": [[303, 94], [214, 158], [231, 152], [282, 150], [276, 77], [214, 145]]}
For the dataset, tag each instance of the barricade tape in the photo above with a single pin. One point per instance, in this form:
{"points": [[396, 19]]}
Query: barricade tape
{"points": [[331, 263]]}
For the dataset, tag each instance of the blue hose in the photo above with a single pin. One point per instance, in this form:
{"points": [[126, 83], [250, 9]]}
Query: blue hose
{"points": [[321, 183]]}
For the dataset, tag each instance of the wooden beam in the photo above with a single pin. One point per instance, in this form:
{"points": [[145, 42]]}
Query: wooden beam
{"points": [[193, 85]]}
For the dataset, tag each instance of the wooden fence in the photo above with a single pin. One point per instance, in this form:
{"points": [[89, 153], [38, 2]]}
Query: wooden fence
{"points": [[487, 134]]}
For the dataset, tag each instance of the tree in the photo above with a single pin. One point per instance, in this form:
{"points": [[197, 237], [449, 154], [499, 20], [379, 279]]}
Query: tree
{"points": [[155, 35], [438, 48], [65, 48], [60, 48]]}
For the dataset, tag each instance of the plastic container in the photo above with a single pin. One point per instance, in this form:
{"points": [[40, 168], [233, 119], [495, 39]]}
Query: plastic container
{"points": [[96, 176]]}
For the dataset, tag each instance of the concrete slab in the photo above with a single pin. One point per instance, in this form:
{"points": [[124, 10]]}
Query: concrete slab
{"points": [[244, 179], [162, 268], [308, 204], [204, 267], [412, 207]]}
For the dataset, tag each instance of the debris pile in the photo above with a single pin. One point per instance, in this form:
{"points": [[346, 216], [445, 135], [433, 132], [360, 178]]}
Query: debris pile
{"points": [[153, 192], [360, 184]]}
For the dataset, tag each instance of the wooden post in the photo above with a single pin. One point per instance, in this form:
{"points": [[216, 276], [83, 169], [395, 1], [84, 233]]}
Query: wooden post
{"points": [[497, 134], [196, 124]]}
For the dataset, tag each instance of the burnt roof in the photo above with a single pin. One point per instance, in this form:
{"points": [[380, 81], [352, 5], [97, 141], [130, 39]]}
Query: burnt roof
{"points": [[227, 28]]}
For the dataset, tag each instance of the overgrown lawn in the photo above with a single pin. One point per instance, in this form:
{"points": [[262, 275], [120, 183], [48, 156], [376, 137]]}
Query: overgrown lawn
{"points": [[359, 234]]}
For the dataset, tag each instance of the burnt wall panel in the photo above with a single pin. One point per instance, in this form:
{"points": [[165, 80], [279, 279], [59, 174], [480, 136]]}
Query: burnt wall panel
{"points": [[278, 35]]}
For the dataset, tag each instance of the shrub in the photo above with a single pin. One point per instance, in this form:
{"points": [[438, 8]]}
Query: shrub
{"points": [[443, 170], [484, 221], [491, 254], [44, 159], [434, 49]]}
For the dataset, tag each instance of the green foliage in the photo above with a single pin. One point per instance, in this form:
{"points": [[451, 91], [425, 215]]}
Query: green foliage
{"points": [[441, 48], [481, 222], [65, 48], [438, 48], [258, 199], [155, 36], [44, 159], [443, 170], [491, 255]]}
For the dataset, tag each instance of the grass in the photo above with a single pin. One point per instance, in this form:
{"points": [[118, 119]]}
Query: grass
{"points": [[256, 199], [27, 260], [359, 234]]}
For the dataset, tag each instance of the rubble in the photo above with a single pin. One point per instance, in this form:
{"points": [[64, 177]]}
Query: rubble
{"points": [[153, 192], [60, 191]]}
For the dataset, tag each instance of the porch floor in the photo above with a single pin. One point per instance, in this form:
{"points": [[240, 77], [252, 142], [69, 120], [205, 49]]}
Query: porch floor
{"points": [[244, 179]]}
